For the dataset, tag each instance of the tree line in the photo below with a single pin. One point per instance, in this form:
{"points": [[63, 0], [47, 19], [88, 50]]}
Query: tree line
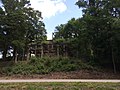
{"points": [[94, 37], [20, 25]]}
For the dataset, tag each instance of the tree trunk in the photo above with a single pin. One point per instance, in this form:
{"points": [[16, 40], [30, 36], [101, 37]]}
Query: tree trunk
{"points": [[4, 54], [28, 54], [23, 55], [113, 61], [15, 55], [112, 54]]}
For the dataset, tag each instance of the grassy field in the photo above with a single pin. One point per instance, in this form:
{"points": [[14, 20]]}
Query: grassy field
{"points": [[59, 86]]}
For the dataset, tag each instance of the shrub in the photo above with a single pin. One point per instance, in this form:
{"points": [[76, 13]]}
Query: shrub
{"points": [[45, 65]]}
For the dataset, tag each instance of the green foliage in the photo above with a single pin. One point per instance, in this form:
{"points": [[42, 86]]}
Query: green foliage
{"points": [[60, 86], [45, 65], [19, 26], [95, 37], [59, 40], [55, 64]]}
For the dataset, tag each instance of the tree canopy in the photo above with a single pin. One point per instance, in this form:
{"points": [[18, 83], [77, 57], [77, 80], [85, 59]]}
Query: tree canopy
{"points": [[96, 35], [20, 25]]}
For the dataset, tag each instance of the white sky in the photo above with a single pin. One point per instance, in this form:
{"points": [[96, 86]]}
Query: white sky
{"points": [[56, 12], [49, 8]]}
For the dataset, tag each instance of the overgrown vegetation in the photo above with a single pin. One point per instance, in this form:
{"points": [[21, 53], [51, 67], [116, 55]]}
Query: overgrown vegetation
{"points": [[95, 35], [45, 65], [93, 38], [20, 25], [60, 86]]}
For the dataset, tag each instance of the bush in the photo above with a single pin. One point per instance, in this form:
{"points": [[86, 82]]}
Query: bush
{"points": [[45, 65]]}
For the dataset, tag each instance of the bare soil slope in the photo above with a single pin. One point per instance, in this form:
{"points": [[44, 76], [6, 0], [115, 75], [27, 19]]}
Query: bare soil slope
{"points": [[81, 74]]}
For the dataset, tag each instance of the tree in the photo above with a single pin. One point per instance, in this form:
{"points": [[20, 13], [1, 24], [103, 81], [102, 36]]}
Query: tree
{"points": [[21, 25], [99, 16], [96, 35], [73, 33]]}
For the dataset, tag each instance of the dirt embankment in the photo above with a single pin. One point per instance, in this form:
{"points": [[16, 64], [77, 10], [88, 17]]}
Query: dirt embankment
{"points": [[81, 74]]}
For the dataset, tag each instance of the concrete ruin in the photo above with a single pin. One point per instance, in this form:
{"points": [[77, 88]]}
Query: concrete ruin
{"points": [[49, 48]]}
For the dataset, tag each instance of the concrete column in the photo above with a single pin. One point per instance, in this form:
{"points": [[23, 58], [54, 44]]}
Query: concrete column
{"points": [[36, 50], [58, 51], [42, 50]]}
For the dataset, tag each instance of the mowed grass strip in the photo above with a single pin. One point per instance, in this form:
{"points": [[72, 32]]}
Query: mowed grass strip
{"points": [[59, 86]]}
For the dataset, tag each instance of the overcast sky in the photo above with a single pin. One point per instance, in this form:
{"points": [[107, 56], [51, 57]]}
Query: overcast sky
{"points": [[56, 12]]}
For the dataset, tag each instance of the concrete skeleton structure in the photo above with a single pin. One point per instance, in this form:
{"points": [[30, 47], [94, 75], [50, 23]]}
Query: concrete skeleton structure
{"points": [[49, 48]]}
